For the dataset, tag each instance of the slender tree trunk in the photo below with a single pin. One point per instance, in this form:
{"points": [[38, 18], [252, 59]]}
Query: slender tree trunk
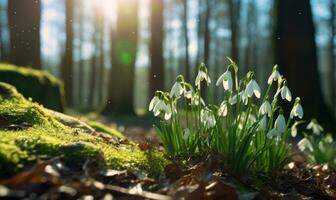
{"points": [[332, 54], [295, 52], [101, 68], [24, 30], [200, 34], [234, 8], [186, 39], [206, 45], [157, 75], [67, 68], [94, 62], [81, 64], [124, 49]]}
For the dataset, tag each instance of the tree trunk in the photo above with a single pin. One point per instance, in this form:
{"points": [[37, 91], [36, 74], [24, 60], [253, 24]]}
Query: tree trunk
{"points": [[186, 40], [24, 30], [332, 55], [234, 8], [206, 45], [67, 68], [156, 77], [81, 63], [295, 52], [101, 68], [124, 49]]}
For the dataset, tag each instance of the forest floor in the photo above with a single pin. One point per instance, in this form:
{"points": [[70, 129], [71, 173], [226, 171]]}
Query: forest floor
{"points": [[196, 178]]}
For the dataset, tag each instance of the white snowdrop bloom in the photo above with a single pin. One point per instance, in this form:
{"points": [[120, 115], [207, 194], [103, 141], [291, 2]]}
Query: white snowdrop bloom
{"points": [[328, 138], [265, 108], [297, 110], [177, 90], [285, 93], [253, 88], [315, 127], [280, 123], [153, 102], [272, 133], [187, 94], [274, 76], [208, 118], [262, 123], [294, 129], [195, 100], [226, 80], [223, 109], [233, 100], [305, 144], [243, 96], [161, 105], [200, 77], [186, 133]]}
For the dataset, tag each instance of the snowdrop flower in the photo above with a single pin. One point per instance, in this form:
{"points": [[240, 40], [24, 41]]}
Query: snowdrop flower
{"points": [[186, 133], [161, 106], [202, 75], [242, 96], [262, 124], [305, 144], [253, 88], [272, 133], [294, 129], [155, 100], [177, 90], [280, 123], [274, 76], [187, 94], [297, 110], [285, 93], [315, 127], [195, 100], [208, 118], [265, 108], [226, 80], [223, 109]]}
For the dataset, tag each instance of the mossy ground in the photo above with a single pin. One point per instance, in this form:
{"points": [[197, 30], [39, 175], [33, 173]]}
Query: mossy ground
{"points": [[28, 133], [39, 85]]}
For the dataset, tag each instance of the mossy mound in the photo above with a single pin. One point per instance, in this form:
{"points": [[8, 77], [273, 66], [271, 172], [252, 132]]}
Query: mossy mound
{"points": [[29, 132], [39, 85]]}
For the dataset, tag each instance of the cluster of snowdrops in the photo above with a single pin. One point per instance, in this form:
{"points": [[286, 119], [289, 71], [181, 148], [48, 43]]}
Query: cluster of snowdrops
{"points": [[248, 128]]}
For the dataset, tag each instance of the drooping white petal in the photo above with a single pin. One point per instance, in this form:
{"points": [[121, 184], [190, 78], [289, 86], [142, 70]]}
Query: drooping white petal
{"points": [[272, 133], [200, 77], [253, 88], [315, 127], [249, 89], [177, 90], [286, 94], [220, 79], [233, 100], [273, 77], [243, 97], [188, 94], [223, 109], [305, 144], [256, 89], [294, 129], [265, 108], [297, 111], [208, 118], [153, 102], [280, 123], [186, 133], [262, 124]]}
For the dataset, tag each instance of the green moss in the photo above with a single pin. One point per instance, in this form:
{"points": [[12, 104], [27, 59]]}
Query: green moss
{"points": [[105, 129], [39, 85], [37, 135]]}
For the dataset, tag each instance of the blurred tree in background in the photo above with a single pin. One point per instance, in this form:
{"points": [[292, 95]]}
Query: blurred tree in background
{"points": [[113, 55]]}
